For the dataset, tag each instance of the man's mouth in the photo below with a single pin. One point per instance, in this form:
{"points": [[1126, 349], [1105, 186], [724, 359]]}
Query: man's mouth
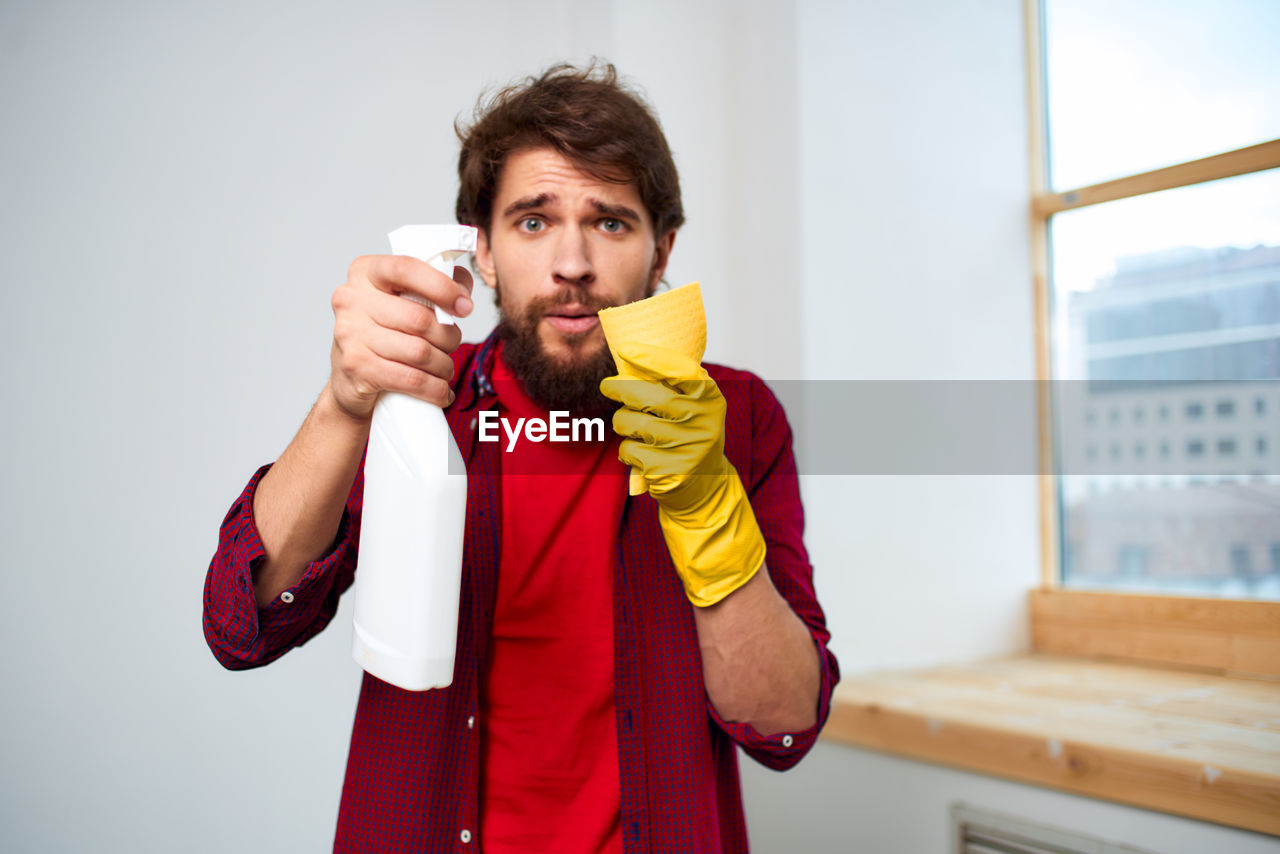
{"points": [[572, 319]]}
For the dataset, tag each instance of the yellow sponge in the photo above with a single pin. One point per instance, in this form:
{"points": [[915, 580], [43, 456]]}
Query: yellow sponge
{"points": [[674, 319]]}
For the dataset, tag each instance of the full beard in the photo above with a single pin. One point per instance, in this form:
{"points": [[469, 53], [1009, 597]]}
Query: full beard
{"points": [[570, 382]]}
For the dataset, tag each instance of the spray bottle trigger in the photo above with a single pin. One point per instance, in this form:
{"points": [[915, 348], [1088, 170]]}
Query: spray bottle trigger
{"points": [[445, 262]]}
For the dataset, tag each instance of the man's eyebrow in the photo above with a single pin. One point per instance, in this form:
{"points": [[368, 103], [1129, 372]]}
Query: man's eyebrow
{"points": [[528, 203], [616, 211]]}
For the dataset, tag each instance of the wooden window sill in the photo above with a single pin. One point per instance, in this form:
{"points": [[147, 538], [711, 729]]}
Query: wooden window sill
{"points": [[1198, 745]]}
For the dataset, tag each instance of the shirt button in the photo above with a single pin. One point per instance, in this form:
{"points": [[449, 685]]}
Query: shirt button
{"points": [[471, 722], [286, 597], [474, 422], [465, 836], [786, 741]]}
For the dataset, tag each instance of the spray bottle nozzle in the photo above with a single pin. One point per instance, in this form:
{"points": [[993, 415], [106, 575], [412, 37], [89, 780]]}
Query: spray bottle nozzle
{"points": [[439, 245]]}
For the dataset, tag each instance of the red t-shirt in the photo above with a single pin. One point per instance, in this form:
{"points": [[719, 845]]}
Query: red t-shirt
{"points": [[550, 751]]}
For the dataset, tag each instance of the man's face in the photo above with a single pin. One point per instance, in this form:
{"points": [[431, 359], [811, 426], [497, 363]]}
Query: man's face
{"points": [[561, 246]]}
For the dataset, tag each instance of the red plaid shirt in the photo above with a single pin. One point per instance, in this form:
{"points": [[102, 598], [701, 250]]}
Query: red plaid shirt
{"points": [[413, 771]]}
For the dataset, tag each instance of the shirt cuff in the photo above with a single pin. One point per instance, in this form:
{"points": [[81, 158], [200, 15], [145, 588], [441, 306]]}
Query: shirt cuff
{"points": [[292, 613], [240, 633], [782, 750]]}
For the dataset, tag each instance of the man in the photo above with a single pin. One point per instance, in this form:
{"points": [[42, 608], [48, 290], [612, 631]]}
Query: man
{"points": [[612, 650]]}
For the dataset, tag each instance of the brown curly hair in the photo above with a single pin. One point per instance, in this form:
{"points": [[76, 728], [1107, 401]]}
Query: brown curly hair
{"points": [[602, 127]]}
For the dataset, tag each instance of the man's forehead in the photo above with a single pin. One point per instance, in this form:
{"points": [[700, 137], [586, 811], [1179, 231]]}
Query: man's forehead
{"points": [[547, 175]]}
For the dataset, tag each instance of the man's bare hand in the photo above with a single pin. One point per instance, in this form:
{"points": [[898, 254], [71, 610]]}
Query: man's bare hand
{"points": [[384, 342]]}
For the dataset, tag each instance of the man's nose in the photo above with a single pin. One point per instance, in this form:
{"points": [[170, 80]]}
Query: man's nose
{"points": [[572, 263]]}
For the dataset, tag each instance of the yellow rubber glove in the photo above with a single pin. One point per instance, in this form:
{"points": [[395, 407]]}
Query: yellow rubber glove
{"points": [[675, 319], [672, 422]]}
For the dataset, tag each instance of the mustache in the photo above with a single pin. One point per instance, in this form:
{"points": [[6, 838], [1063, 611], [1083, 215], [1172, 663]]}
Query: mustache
{"points": [[570, 295]]}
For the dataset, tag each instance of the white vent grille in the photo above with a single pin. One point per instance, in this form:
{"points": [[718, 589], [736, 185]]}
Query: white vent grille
{"points": [[981, 832]]}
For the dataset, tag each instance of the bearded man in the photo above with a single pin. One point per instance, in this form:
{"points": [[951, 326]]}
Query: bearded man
{"points": [[604, 675]]}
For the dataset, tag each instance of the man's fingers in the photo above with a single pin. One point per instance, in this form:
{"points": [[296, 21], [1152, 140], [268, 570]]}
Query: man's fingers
{"points": [[644, 395], [397, 274], [649, 429], [411, 351], [627, 454], [391, 375], [385, 341], [407, 316]]}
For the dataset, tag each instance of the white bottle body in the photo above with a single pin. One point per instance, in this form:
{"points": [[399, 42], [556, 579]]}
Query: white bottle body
{"points": [[409, 569]]}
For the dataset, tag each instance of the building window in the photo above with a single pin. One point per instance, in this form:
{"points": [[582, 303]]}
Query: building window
{"points": [[1131, 561], [1157, 233], [1241, 565]]}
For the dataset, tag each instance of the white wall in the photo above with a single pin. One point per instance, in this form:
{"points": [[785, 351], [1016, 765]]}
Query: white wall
{"points": [[184, 185], [914, 187]]}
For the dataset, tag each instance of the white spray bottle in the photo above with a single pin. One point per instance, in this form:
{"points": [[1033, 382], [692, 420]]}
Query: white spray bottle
{"points": [[409, 568]]}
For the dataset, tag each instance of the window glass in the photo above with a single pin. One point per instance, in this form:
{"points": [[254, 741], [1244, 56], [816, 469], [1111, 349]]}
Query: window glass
{"points": [[1169, 304], [1135, 85]]}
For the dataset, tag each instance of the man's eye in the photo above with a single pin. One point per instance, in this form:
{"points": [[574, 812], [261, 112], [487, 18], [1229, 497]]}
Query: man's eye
{"points": [[613, 226], [531, 224]]}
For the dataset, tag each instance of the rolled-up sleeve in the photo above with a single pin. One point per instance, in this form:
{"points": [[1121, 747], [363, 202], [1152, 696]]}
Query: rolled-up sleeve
{"points": [[782, 750], [774, 489], [239, 633]]}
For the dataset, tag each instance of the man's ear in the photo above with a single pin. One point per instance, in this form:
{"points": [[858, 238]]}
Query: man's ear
{"points": [[661, 255], [484, 259]]}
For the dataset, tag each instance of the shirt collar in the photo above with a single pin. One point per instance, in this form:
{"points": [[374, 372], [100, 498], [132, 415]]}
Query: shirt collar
{"points": [[481, 379]]}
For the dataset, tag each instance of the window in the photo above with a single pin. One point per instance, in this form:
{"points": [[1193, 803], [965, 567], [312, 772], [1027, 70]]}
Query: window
{"points": [[1131, 561], [1158, 201], [1241, 565]]}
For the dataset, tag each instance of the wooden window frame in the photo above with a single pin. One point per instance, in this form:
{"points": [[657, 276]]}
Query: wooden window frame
{"points": [[1219, 635]]}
